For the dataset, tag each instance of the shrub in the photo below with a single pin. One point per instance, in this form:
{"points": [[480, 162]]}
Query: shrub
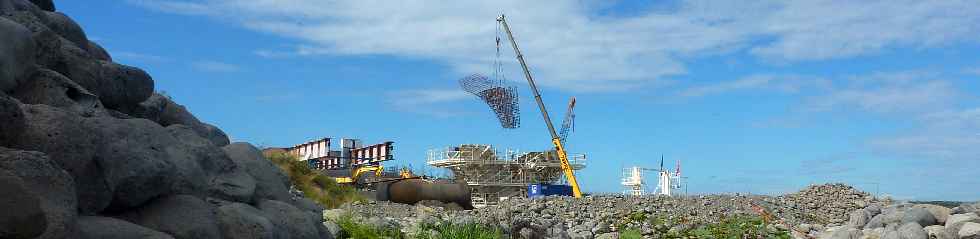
{"points": [[315, 186]]}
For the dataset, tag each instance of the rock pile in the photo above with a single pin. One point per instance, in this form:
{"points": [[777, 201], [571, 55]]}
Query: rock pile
{"points": [[912, 221], [91, 152], [594, 216]]}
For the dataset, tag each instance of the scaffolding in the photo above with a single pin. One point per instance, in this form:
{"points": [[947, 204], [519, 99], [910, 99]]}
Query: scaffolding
{"points": [[493, 175]]}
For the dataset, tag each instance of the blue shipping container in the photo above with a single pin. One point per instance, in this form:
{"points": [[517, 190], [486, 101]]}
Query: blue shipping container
{"points": [[539, 190]]}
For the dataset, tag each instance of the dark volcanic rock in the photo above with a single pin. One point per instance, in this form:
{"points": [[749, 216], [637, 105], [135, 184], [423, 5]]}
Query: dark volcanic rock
{"points": [[98, 52], [94, 227], [117, 86], [164, 111], [122, 162], [51, 88], [51, 184], [16, 54], [23, 216], [182, 216], [67, 28], [239, 220], [11, 120], [285, 217], [47, 5], [270, 181]]}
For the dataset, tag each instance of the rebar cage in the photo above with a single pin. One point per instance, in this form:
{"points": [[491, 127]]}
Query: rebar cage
{"points": [[502, 98]]}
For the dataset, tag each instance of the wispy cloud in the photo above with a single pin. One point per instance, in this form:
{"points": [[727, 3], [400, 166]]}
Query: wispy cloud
{"points": [[215, 66], [428, 101], [973, 70], [779, 83], [890, 92], [947, 135], [568, 47], [124, 56]]}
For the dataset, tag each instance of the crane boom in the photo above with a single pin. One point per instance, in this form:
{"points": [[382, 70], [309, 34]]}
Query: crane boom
{"points": [[555, 140], [568, 122]]}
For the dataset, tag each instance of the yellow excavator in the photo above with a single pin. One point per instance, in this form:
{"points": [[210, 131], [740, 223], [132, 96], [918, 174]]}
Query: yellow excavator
{"points": [[556, 140], [360, 171]]}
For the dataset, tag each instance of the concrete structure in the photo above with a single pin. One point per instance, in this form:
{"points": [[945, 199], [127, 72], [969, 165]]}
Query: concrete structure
{"points": [[493, 175]]}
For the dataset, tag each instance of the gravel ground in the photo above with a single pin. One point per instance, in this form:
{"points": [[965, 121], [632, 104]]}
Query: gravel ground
{"points": [[817, 207]]}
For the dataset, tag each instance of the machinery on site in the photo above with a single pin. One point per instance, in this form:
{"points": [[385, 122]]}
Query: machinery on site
{"points": [[556, 140], [361, 166]]}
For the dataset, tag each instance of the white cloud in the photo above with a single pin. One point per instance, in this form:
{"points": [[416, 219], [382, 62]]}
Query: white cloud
{"points": [[215, 66], [893, 92], [568, 47], [428, 101], [953, 134], [429, 96], [780, 83]]}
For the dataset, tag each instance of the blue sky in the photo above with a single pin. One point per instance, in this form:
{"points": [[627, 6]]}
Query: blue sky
{"points": [[764, 97]]}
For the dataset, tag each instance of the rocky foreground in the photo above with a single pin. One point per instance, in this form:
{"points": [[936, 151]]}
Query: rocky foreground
{"points": [[820, 211], [88, 150]]}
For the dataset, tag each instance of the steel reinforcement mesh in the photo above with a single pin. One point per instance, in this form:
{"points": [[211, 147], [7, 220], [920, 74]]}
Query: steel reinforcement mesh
{"points": [[501, 98]]}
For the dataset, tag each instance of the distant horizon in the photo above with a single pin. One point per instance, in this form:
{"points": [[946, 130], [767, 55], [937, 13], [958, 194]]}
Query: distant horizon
{"points": [[763, 97]]}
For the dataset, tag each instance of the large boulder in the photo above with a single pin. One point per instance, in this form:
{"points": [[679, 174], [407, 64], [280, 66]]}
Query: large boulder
{"points": [[920, 216], [207, 169], [295, 222], [236, 185], [23, 216], [969, 230], [51, 184], [118, 86], [95, 227], [270, 181], [161, 109], [239, 220], [98, 52], [122, 162], [67, 28], [11, 120], [912, 230], [51, 88], [966, 208], [182, 216], [16, 54], [939, 212], [956, 221]]}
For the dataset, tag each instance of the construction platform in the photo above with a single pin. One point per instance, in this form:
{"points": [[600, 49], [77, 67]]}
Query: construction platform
{"points": [[493, 175]]}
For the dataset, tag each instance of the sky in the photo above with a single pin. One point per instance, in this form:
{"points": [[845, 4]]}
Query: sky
{"points": [[761, 96]]}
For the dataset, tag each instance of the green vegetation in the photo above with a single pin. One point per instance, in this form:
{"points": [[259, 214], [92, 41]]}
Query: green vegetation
{"points": [[315, 186], [732, 227], [630, 234], [353, 229], [461, 231]]}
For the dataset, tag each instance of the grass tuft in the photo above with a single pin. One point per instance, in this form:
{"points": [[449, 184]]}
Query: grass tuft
{"points": [[315, 186]]}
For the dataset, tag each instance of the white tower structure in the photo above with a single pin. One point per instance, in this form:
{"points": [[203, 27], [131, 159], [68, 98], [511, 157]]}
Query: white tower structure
{"points": [[667, 181], [633, 181]]}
